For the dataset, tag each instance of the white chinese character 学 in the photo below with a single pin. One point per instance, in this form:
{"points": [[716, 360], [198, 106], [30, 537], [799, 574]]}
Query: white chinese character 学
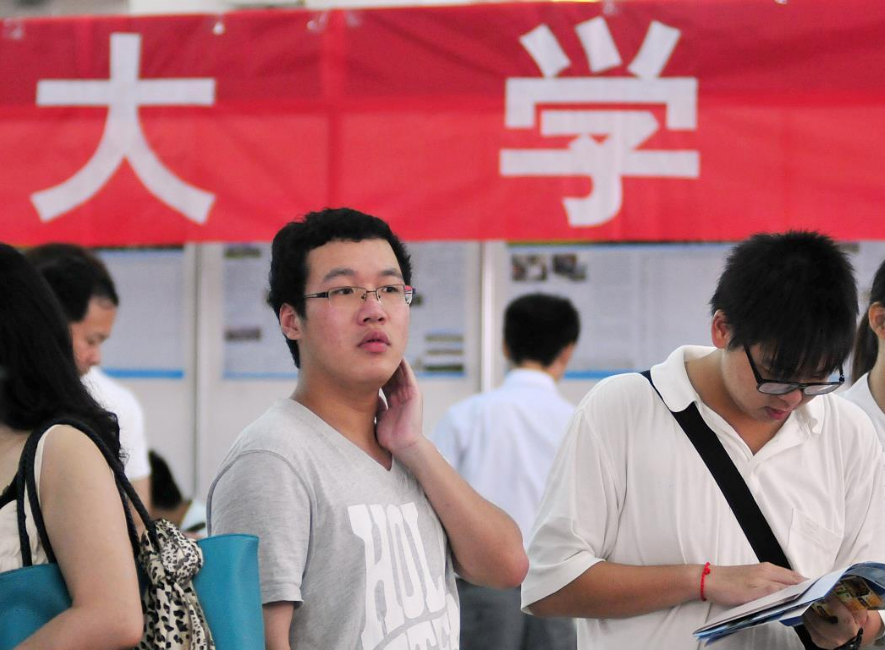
{"points": [[123, 138], [607, 161]]}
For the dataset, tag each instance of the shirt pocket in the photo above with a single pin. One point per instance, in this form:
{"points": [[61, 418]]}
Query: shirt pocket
{"points": [[812, 547]]}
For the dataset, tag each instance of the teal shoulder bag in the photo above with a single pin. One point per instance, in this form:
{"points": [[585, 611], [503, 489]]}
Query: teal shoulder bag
{"points": [[227, 585]]}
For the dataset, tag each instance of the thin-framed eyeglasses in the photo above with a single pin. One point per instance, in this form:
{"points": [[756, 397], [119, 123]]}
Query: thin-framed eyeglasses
{"points": [[782, 386], [389, 295]]}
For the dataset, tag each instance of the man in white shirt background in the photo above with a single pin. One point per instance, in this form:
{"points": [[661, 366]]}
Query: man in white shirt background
{"points": [[86, 291], [503, 443]]}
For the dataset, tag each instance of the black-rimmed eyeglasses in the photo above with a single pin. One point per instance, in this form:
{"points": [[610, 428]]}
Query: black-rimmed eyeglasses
{"points": [[782, 386], [389, 295]]}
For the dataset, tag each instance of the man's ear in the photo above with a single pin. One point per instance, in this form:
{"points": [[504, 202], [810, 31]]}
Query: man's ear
{"points": [[506, 351], [559, 365], [565, 354], [876, 316], [290, 322], [720, 331]]}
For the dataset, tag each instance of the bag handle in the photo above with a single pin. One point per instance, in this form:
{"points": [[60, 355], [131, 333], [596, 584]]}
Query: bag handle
{"points": [[26, 478], [734, 489]]}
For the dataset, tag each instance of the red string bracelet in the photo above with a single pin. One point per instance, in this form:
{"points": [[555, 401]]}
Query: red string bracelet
{"points": [[704, 574]]}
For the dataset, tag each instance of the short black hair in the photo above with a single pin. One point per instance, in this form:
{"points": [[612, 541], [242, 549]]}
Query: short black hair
{"points": [[866, 343], [293, 243], [76, 276], [538, 326], [793, 293], [41, 379], [165, 493]]}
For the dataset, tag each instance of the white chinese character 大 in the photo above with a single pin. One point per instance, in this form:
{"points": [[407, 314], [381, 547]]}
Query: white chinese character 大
{"points": [[616, 154], [123, 137]]}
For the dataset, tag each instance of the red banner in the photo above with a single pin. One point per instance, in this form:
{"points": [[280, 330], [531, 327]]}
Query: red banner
{"points": [[667, 120]]}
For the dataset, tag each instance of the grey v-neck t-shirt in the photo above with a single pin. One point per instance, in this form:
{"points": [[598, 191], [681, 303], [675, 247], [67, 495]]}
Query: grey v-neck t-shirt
{"points": [[357, 548]]}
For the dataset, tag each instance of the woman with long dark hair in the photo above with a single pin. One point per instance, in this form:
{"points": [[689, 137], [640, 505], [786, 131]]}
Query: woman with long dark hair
{"points": [[868, 366], [84, 516]]}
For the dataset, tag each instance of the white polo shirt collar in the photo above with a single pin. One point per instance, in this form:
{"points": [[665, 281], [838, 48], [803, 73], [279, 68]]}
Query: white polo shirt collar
{"points": [[671, 380]]}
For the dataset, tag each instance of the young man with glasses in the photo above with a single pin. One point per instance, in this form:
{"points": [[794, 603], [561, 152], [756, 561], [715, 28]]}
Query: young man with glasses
{"points": [[634, 535], [362, 522]]}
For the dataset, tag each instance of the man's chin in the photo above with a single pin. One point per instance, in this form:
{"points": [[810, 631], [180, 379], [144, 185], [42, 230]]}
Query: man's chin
{"points": [[382, 372]]}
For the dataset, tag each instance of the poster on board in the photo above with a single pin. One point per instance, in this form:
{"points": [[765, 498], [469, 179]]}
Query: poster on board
{"points": [[634, 300], [254, 347], [439, 322]]}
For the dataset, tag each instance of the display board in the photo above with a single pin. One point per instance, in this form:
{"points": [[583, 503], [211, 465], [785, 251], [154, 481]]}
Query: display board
{"points": [[636, 302], [438, 336], [148, 335], [254, 347]]}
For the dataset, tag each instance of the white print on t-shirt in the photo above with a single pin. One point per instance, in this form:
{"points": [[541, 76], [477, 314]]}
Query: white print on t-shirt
{"points": [[397, 573]]}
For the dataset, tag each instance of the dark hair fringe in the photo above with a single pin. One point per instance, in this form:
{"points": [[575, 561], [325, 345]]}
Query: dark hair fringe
{"points": [[793, 293], [75, 275]]}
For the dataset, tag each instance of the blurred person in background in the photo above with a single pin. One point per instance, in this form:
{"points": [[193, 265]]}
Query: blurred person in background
{"points": [[168, 503], [503, 443], [88, 297]]}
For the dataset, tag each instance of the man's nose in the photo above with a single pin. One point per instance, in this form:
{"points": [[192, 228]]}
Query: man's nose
{"points": [[372, 306], [793, 398]]}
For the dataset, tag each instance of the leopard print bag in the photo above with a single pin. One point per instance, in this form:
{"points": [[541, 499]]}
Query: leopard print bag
{"points": [[173, 617]]}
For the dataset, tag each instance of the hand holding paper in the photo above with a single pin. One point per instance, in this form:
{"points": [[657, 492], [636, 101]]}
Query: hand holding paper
{"points": [[836, 629], [846, 595]]}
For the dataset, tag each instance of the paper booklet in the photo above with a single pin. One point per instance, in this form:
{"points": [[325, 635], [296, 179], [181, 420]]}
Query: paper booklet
{"points": [[860, 586]]}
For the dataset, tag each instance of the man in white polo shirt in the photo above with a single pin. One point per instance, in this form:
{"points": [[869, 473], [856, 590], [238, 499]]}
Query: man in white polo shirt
{"points": [[502, 443], [634, 535]]}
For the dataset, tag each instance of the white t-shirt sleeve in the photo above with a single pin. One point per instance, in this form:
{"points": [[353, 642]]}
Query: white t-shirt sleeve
{"points": [[577, 520], [260, 494]]}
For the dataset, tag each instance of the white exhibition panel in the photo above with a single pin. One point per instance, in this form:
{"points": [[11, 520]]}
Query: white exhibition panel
{"points": [[151, 350]]}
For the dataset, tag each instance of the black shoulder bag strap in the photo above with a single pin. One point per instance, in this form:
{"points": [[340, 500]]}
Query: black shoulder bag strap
{"points": [[735, 490], [26, 487]]}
